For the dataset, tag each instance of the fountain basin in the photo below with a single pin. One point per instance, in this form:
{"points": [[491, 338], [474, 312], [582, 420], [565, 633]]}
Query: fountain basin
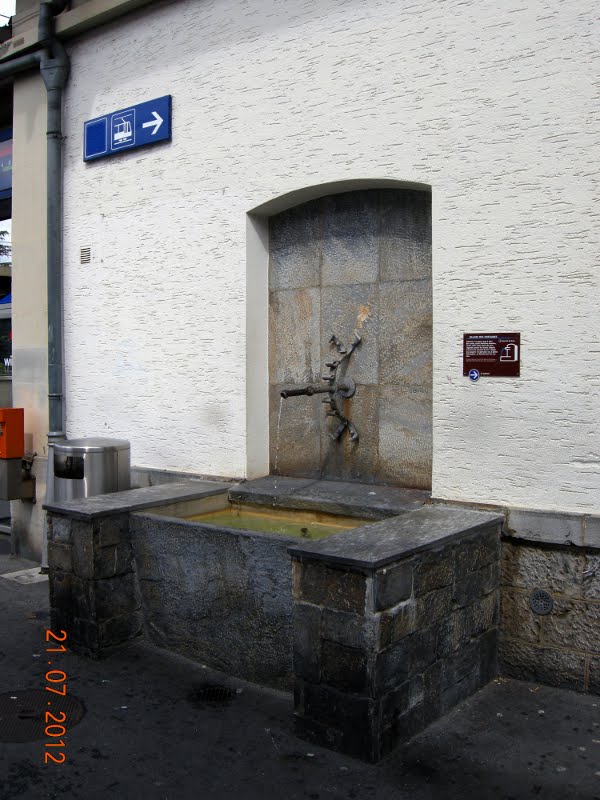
{"points": [[216, 593], [380, 628], [312, 525], [216, 581]]}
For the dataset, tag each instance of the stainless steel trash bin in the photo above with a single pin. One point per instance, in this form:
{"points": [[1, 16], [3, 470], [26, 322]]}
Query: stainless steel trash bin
{"points": [[91, 466]]}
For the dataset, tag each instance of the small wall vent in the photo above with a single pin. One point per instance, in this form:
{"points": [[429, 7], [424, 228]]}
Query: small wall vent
{"points": [[541, 602], [85, 255]]}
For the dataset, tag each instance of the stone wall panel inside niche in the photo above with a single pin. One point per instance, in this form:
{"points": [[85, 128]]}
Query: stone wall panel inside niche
{"points": [[294, 336], [346, 310], [295, 248], [405, 438], [347, 460], [405, 245], [405, 334], [350, 246], [295, 434]]}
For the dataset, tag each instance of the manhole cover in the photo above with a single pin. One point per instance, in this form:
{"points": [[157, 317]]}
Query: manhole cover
{"points": [[541, 602], [25, 713], [212, 693]]}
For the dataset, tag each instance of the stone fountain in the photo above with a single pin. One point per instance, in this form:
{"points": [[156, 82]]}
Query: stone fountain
{"points": [[388, 621]]}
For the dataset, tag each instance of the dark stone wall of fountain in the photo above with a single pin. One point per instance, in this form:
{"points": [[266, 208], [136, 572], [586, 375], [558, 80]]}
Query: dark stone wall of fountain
{"points": [[395, 623], [353, 262]]}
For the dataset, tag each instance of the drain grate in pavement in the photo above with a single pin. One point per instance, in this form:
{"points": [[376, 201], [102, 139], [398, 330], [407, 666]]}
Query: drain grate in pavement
{"points": [[23, 714], [211, 693]]}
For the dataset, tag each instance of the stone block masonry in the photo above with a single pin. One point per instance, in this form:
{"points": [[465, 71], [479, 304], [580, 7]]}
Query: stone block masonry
{"points": [[395, 623], [223, 597], [561, 648], [93, 587], [219, 596]]}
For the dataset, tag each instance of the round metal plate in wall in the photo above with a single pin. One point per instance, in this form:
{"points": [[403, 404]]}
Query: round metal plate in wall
{"points": [[541, 602], [25, 713]]}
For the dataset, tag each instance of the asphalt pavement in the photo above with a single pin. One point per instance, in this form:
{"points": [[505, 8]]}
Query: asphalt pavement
{"points": [[155, 727]]}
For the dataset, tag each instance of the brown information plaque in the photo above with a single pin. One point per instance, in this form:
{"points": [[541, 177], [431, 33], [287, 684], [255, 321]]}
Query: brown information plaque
{"points": [[491, 354]]}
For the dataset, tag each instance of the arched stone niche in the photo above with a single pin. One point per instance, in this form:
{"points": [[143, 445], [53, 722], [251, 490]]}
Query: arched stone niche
{"points": [[345, 263]]}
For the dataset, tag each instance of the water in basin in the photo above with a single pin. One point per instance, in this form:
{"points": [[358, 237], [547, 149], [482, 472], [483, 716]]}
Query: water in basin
{"points": [[302, 524]]}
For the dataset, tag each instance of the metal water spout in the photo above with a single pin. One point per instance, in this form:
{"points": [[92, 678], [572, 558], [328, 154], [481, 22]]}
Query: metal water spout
{"points": [[345, 387], [340, 387]]}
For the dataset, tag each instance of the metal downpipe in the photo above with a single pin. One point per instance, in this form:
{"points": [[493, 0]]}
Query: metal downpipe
{"points": [[54, 267], [54, 69]]}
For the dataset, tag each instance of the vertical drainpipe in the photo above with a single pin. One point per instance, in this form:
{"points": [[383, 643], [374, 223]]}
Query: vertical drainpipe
{"points": [[54, 68]]}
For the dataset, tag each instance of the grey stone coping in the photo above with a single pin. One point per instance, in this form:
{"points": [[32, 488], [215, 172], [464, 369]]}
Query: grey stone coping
{"points": [[591, 531], [104, 505], [374, 546], [149, 476], [581, 530], [543, 527], [370, 501]]}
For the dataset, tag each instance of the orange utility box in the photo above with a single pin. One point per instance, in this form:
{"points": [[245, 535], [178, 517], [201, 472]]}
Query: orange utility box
{"points": [[12, 433]]}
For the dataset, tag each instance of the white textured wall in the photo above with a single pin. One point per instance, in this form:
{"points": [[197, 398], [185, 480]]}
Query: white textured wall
{"points": [[491, 104]]}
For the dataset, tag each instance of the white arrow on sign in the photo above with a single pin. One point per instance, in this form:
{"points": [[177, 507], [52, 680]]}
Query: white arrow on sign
{"points": [[156, 122]]}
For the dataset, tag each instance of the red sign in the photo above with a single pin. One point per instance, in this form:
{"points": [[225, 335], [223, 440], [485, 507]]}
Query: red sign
{"points": [[492, 354]]}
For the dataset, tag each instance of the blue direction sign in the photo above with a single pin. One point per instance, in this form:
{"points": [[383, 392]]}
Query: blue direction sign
{"points": [[136, 126]]}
